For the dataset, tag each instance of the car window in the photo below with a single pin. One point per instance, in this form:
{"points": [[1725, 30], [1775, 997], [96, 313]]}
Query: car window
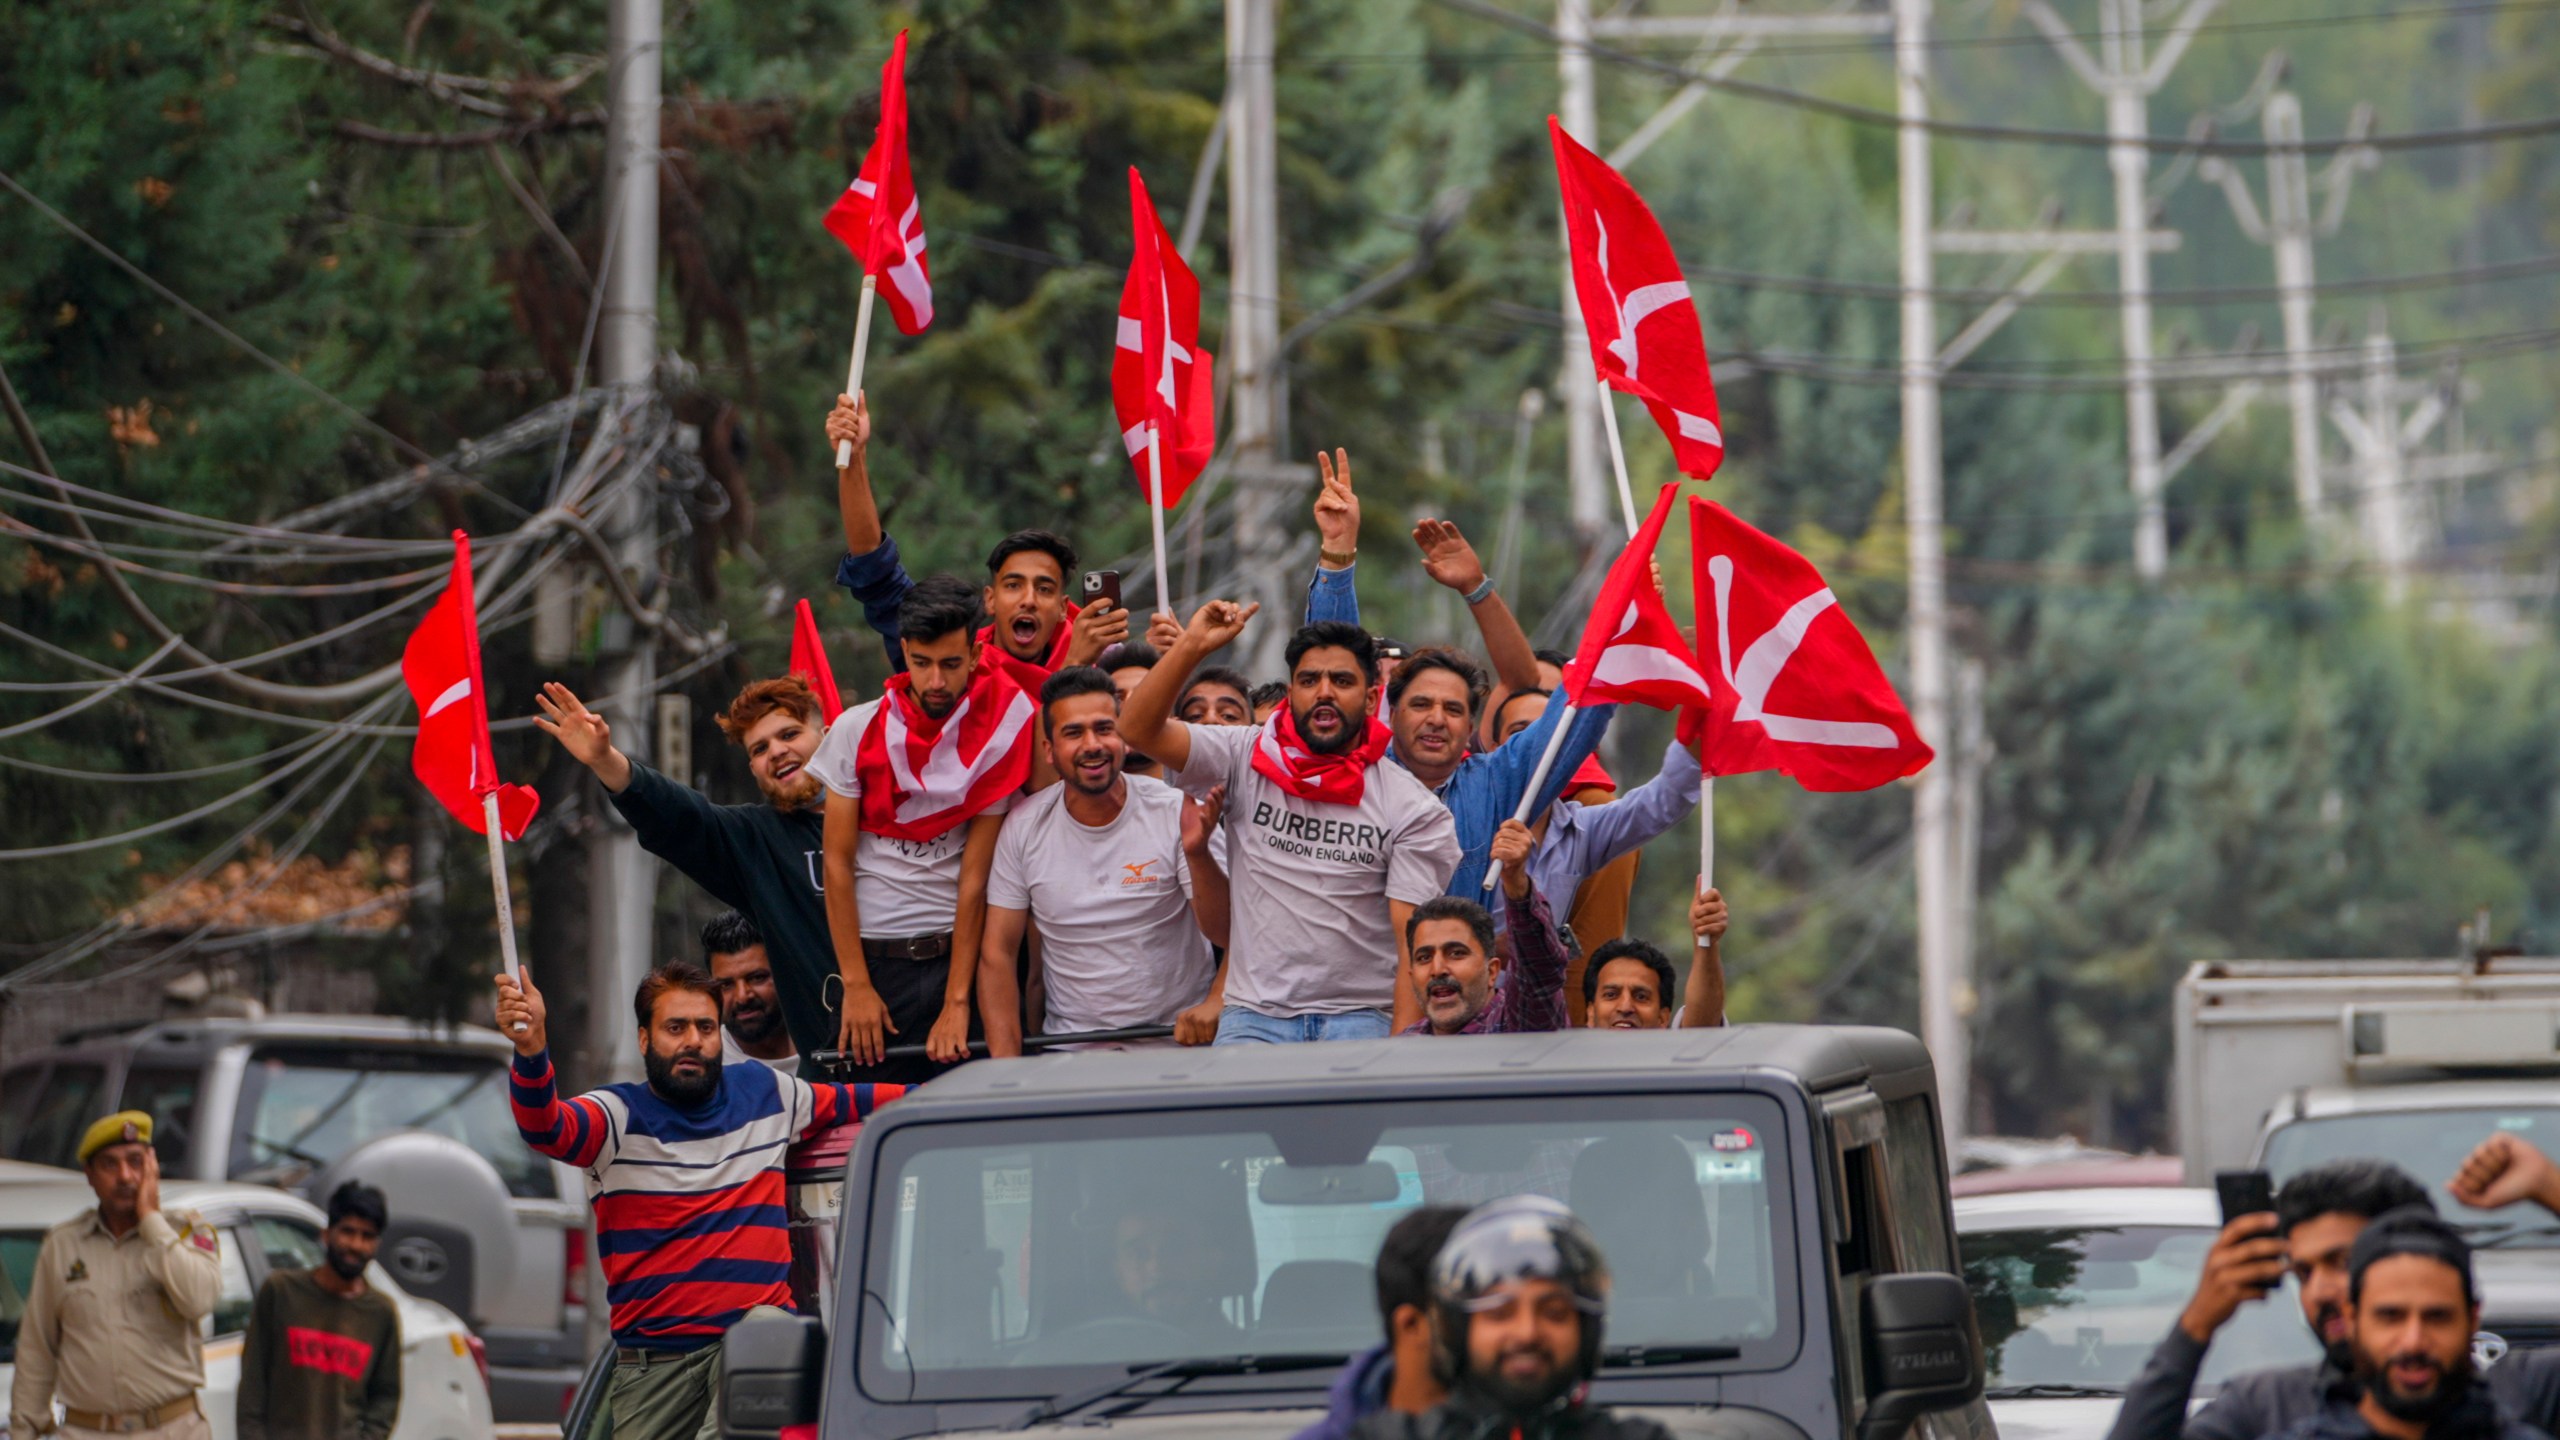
{"points": [[62, 1112], [231, 1306], [2431, 1143], [302, 1108], [288, 1244], [17, 1276], [20, 1085], [168, 1096]]}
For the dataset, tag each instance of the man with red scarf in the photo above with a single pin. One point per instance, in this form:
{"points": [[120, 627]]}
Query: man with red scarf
{"points": [[1328, 850], [917, 785]]}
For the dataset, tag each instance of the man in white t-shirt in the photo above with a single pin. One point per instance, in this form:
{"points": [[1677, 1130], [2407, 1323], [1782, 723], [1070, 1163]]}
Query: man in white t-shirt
{"points": [[917, 785], [1113, 869], [1328, 850]]}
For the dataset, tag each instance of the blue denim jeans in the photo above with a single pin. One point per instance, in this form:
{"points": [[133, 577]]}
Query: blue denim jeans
{"points": [[1238, 1026]]}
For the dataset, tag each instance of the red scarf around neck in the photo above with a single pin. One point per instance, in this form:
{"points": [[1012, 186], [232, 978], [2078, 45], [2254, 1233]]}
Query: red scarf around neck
{"points": [[1296, 767], [921, 776]]}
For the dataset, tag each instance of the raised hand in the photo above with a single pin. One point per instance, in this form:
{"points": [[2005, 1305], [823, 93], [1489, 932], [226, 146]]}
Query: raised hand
{"points": [[1200, 819], [521, 1014], [849, 424], [2247, 1260], [148, 1200], [2504, 1169], [582, 732], [1215, 625], [1511, 846], [1337, 507], [1708, 916], [1447, 556], [1163, 632], [1098, 627]]}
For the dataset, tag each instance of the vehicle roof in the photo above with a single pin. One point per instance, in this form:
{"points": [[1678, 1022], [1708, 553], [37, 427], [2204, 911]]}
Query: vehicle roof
{"points": [[212, 1032], [2117, 1172], [2111, 1205], [43, 1204], [1820, 1057], [2318, 1101]]}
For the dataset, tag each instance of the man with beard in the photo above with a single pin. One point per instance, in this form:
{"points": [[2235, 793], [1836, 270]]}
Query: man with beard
{"points": [[2319, 1214], [684, 1174], [1328, 851], [762, 859], [750, 1009], [321, 1360], [1032, 624], [1114, 869], [2412, 1313], [1468, 981], [1518, 1299], [917, 785], [1628, 984]]}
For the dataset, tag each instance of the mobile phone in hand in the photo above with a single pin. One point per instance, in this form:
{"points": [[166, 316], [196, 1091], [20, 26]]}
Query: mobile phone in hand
{"points": [[2244, 1192], [1101, 585]]}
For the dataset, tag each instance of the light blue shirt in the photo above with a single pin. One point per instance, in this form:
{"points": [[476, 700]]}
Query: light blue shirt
{"points": [[1582, 838]]}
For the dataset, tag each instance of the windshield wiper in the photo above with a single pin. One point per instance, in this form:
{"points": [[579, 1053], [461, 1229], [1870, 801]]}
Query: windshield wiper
{"points": [[2510, 1235], [1636, 1357], [1058, 1407], [2054, 1391]]}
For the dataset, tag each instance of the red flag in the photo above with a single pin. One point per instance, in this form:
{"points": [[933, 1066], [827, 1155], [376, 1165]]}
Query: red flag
{"points": [[1160, 377], [1636, 306], [1797, 689], [1632, 652], [921, 776], [878, 216], [809, 661], [452, 755]]}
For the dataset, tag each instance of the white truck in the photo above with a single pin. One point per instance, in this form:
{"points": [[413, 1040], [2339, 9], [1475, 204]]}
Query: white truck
{"points": [[2286, 1064]]}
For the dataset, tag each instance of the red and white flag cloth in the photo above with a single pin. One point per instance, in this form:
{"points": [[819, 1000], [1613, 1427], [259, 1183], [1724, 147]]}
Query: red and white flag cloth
{"points": [[1796, 688], [878, 217], [1160, 377], [1337, 777], [1632, 652], [1636, 305], [921, 776], [809, 662], [452, 756]]}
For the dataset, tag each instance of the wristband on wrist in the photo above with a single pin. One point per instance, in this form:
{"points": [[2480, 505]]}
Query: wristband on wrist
{"points": [[1338, 560], [1481, 593]]}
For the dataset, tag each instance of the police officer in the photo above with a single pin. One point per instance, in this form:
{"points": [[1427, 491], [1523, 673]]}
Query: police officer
{"points": [[1518, 1295], [112, 1321]]}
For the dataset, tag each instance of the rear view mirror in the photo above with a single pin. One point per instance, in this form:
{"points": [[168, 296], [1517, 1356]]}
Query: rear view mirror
{"points": [[1373, 1182], [770, 1366], [1923, 1353]]}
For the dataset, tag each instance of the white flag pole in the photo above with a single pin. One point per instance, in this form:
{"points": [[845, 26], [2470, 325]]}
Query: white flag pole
{"points": [[1706, 842], [1537, 778], [1618, 456], [498, 887], [1155, 511], [861, 344]]}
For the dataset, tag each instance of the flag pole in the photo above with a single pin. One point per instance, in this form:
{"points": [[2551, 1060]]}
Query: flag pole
{"points": [[1618, 456], [861, 345], [1155, 511], [1706, 844], [498, 887], [1537, 779]]}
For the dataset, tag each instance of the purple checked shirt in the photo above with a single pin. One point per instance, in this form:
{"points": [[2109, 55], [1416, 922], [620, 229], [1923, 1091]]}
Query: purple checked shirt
{"points": [[1528, 999]]}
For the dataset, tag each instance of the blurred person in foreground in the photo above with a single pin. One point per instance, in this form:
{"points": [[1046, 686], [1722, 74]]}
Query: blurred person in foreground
{"points": [[321, 1360], [1395, 1373]]}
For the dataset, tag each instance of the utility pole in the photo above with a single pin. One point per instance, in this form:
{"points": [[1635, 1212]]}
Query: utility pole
{"points": [[1933, 848], [1578, 109], [1263, 484], [622, 879]]}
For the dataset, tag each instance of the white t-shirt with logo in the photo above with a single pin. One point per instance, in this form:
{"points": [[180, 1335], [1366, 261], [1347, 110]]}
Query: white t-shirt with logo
{"points": [[1308, 883], [1118, 942], [902, 887]]}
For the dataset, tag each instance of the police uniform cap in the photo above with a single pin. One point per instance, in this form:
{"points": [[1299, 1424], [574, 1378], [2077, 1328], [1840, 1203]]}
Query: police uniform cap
{"points": [[125, 1127]]}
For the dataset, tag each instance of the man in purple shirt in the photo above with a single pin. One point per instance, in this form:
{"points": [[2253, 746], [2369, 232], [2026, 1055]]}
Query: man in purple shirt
{"points": [[1470, 981]]}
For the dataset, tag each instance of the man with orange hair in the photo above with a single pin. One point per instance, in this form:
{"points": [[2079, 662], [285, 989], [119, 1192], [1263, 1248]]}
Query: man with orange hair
{"points": [[763, 860]]}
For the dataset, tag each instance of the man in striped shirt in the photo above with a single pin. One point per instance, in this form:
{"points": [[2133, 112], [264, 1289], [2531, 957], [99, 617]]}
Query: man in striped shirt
{"points": [[685, 1174]]}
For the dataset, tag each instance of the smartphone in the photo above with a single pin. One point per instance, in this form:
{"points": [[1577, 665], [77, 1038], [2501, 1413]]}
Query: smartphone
{"points": [[1101, 585], [2244, 1192]]}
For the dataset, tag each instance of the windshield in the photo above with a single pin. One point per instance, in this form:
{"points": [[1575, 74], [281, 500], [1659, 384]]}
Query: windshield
{"points": [[1010, 1258], [2430, 1144], [2083, 1306], [301, 1110]]}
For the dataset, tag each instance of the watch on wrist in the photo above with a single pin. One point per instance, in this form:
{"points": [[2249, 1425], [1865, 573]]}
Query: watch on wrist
{"points": [[1481, 593], [1338, 559]]}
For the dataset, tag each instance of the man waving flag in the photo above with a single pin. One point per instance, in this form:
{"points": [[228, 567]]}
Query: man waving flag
{"points": [[1160, 377], [1636, 305]]}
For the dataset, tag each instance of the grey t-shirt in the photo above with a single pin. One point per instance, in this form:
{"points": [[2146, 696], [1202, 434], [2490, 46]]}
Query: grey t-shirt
{"points": [[1117, 939], [1308, 882]]}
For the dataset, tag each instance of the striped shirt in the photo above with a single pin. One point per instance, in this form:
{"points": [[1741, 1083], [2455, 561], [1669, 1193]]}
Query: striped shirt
{"points": [[690, 1222]]}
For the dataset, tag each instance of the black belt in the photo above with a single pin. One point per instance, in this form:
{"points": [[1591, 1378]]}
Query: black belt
{"points": [[625, 1356], [907, 947]]}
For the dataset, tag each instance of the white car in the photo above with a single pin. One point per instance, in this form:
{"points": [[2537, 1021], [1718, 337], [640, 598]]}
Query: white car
{"points": [[444, 1385], [2075, 1288]]}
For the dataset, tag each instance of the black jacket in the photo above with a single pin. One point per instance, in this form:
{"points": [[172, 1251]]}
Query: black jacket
{"points": [[2479, 1417], [2526, 1384], [1454, 1421]]}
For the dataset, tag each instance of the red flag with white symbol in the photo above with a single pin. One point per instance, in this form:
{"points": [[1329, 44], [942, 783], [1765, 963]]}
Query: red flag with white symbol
{"points": [[1160, 377], [809, 662], [1636, 305], [452, 756], [1796, 688], [921, 775], [878, 217], [1632, 652]]}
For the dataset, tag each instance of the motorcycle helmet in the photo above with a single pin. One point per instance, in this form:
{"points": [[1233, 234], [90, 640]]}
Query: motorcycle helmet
{"points": [[1520, 1237]]}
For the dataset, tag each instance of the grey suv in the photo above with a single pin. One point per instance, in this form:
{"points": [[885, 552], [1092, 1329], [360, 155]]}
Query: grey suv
{"points": [[481, 1223]]}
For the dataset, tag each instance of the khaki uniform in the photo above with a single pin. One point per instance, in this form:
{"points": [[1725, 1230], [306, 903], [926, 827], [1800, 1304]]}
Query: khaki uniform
{"points": [[113, 1329]]}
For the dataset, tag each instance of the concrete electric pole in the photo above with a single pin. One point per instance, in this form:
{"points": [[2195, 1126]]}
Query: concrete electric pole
{"points": [[1264, 483]]}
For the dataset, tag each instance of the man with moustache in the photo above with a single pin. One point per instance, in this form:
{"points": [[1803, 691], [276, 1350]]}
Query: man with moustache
{"points": [[761, 859], [1468, 981], [2412, 1310], [1328, 850], [1114, 869], [1432, 704], [917, 783], [1628, 984], [321, 1360], [750, 1008], [684, 1174]]}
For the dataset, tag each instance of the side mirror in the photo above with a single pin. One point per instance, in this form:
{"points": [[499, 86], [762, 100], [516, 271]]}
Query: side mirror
{"points": [[1923, 1352], [770, 1367]]}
